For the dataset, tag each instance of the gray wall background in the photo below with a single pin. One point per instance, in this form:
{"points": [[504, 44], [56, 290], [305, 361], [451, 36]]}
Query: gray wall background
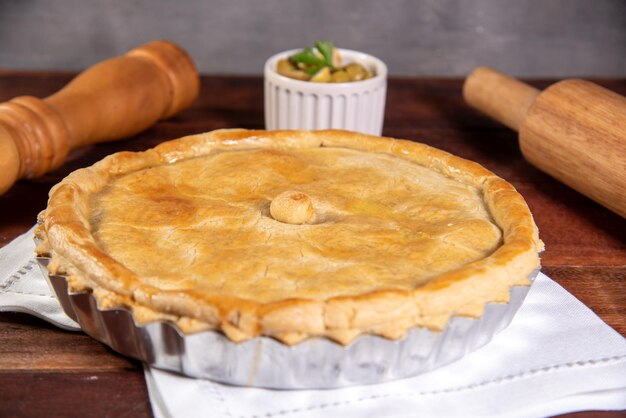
{"points": [[535, 38]]}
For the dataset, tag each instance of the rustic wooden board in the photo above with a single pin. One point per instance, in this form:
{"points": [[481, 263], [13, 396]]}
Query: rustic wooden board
{"points": [[45, 371]]}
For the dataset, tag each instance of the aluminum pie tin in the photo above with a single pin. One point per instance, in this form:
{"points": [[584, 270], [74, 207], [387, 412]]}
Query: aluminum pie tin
{"points": [[316, 363]]}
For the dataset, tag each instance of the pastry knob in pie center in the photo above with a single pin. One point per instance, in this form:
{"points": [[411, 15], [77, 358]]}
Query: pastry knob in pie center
{"points": [[293, 207]]}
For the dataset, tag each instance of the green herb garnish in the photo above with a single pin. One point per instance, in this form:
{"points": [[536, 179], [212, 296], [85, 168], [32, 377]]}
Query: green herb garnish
{"points": [[321, 56], [326, 49], [307, 57], [321, 64]]}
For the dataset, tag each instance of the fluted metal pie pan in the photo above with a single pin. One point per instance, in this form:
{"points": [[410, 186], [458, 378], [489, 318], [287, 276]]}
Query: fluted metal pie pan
{"points": [[265, 362]]}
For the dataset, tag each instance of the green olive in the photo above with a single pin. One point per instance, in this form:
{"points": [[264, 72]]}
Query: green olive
{"points": [[322, 76], [286, 68], [356, 71], [340, 77], [322, 64]]}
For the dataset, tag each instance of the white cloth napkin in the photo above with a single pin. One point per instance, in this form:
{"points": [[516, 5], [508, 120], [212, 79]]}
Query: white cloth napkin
{"points": [[557, 356], [23, 287]]}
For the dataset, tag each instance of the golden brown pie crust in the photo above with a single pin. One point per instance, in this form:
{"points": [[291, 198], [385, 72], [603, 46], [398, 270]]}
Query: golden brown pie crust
{"points": [[291, 234]]}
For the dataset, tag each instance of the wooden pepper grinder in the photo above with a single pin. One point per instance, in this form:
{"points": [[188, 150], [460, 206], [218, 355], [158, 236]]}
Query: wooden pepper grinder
{"points": [[574, 130], [113, 99]]}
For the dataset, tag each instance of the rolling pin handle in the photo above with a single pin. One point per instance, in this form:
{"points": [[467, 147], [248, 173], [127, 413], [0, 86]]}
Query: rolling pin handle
{"points": [[503, 98]]}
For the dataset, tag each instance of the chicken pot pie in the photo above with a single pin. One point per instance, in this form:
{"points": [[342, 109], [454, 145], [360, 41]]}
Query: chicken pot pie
{"points": [[290, 234]]}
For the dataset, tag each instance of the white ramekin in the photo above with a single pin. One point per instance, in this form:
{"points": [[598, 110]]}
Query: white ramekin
{"points": [[354, 106]]}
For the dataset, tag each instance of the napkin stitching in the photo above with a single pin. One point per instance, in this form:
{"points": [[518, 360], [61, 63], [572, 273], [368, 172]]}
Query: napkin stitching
{"points": [[212, 390], [17, 275], [497, 380], [15, 292]]}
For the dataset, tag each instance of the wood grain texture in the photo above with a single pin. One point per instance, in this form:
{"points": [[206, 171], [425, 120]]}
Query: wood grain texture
{"points": [[113, 99], [114, 394], [45, 371], [28, 344], [574, 130]]}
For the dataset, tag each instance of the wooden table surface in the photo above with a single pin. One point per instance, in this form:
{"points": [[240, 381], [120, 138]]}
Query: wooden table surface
{"points": [[45, 371]]}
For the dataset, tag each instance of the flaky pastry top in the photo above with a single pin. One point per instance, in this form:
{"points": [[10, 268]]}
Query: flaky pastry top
{"points": [[291, 234]]}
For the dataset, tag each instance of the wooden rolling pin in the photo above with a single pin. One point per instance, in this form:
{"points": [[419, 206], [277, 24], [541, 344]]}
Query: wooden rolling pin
{"points": [[574, 130], [113, 99]]}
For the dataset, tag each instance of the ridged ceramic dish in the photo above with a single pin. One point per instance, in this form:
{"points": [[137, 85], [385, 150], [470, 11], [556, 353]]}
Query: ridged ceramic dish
{"points": [[265, 362], [355, 106]]}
